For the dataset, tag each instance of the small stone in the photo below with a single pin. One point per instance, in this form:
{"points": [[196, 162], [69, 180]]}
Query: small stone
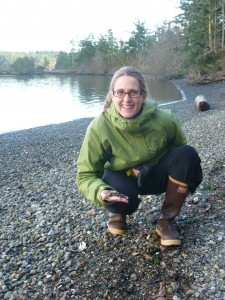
{"points": [[133, 277], [8, 295], [51, 232]]}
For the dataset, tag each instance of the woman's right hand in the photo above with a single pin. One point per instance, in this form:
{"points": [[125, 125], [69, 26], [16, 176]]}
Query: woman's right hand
{"points": [[112, 196]]}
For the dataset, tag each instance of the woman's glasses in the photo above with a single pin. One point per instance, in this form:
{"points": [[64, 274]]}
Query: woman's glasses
{"points": [[131, 93]]}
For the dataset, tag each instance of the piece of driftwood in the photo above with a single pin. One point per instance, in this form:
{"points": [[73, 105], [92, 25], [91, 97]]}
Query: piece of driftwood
{"points": [[201, 103]]}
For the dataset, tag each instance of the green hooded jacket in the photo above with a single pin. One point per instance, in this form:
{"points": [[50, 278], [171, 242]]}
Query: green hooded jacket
{"points": [[113, 142]]}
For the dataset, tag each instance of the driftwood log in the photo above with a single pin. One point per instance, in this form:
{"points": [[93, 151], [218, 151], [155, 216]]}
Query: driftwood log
{"points": [[201, 103]]}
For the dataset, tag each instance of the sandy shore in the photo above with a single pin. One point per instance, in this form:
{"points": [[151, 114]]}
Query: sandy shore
{"points": [[44, 220]]}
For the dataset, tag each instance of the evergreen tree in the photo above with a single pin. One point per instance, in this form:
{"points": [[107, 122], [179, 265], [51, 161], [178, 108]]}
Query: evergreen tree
{"points": [[201, 21], [87, 49], [139, 40], [108, 47], [24, 65], [62, 61]]}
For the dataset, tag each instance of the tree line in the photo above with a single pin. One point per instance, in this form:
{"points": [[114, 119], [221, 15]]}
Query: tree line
{"points": [[192, 43]]}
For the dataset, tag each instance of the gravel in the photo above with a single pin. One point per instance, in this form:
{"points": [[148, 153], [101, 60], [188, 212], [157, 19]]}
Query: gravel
{"points": [[54, 243]]}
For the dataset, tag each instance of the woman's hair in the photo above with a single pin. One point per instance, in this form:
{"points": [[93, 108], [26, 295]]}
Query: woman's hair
{"points": [[129, 71]]}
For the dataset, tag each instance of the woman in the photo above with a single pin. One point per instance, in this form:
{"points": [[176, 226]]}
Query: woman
{"points": [[134, 148]]}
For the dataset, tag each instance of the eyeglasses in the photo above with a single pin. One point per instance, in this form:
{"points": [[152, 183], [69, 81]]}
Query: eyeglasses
{"points": [[131, 93]]}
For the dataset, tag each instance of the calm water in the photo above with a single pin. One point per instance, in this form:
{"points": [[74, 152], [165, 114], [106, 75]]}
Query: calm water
{"points": [[27, 102]]}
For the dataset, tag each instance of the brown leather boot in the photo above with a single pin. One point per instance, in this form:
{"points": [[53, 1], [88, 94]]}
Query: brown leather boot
{"points": [[174, 199], [117, 223]]}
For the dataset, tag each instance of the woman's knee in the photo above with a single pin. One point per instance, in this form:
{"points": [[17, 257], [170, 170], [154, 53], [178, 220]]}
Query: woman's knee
{"points": [[189, 153], [187, 168]]}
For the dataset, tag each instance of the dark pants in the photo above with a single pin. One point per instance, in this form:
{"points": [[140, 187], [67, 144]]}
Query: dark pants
{"points": [[182, 164]]}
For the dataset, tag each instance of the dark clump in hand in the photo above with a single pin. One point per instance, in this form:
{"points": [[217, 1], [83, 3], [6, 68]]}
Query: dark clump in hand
{"points": [[117, 194]]}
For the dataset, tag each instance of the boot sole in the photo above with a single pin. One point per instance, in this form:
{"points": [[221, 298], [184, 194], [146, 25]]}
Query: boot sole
{"points": [[168, 242], [116, 231]]}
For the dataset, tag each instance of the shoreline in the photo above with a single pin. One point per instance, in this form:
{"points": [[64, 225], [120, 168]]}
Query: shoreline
{"points": [[44, 219]]}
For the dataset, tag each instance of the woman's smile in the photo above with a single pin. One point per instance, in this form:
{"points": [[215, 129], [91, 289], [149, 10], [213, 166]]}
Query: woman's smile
{"points": [[127, 97]]}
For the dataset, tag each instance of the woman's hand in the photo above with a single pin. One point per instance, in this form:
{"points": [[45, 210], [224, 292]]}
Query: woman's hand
{"points": [[136, 172], [113, 196]]}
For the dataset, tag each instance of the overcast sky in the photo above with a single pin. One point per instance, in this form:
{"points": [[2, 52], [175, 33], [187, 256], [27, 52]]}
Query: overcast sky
{"points": [[31, 25]]}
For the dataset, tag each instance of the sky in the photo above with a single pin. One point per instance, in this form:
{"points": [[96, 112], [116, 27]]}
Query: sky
{"points": [[50, 25]]}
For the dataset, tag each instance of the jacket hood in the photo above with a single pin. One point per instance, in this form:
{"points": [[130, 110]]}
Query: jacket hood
{"points": [[147, 110]]}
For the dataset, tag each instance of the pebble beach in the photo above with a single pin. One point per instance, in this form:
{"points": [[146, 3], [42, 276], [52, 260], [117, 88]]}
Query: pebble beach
{"points": [[54, 243]]}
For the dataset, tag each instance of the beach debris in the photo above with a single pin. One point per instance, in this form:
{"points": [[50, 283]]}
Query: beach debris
{"points": [[161, 293], [201, 103], [82, 246], [64, 297]]}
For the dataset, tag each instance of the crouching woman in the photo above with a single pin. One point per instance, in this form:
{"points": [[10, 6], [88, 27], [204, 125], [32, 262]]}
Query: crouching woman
{"points": [[134, 148]]}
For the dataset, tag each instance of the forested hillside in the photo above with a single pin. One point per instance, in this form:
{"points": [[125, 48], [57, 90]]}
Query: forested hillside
{"points": [[191, 44]]}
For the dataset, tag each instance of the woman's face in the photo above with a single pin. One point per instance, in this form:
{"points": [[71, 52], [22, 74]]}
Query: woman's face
{"points": [[128, 106]]}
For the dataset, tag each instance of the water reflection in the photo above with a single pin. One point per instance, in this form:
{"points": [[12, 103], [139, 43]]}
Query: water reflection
{"points": [[92, 87], [28, 102], [162, 90], [24, 78]]}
